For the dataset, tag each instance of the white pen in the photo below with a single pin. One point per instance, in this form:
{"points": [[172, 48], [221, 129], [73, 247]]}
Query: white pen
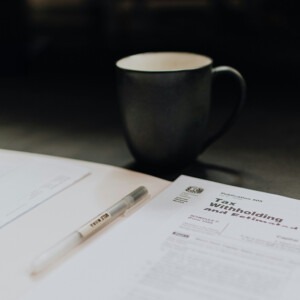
{"points": [[85, 231]]}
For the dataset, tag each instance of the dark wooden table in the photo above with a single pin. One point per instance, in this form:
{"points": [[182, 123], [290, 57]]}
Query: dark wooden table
{"points": [[79, 118]]}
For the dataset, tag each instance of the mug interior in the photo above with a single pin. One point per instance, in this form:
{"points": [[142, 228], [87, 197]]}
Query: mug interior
{"points": [[163, 62]]}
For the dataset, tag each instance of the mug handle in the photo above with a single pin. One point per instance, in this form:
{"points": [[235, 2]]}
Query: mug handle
{"points": [[238, 106]]}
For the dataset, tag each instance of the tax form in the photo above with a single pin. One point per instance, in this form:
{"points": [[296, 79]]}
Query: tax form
{"points": [[26, 182], [195, 240]]}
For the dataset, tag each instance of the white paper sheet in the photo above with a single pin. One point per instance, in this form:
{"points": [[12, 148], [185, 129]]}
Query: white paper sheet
{"points": [[25, 182], [196, 240]]}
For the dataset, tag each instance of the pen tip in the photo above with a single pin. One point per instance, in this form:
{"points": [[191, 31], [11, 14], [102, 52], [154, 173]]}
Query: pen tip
{"points": [[139, 192]]}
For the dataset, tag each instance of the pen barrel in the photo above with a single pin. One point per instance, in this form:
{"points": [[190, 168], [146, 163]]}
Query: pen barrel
{"points": [[57, 251], [62, 247], [127, 202], [113, 212], [104, 218]]}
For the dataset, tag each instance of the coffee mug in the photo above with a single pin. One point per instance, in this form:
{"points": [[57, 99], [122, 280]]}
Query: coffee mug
{"points": [[165, 101]]}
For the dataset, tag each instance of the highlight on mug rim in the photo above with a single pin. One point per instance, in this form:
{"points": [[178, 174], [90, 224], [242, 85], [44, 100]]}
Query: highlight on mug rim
{"points": [[163, 62]]}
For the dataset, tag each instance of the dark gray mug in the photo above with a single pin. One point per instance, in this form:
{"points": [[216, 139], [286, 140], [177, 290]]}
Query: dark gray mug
{"points": [[165, 104]]}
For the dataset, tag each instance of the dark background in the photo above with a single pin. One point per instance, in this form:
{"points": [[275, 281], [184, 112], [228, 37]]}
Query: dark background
{"points": [[69, 47], [58, 87]]}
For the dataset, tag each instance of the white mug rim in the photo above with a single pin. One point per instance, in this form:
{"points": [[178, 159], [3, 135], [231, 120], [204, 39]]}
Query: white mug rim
{"points": [[173, 61]]}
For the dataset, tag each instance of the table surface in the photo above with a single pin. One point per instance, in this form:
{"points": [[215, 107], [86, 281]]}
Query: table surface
{"points": [[261, 151]]}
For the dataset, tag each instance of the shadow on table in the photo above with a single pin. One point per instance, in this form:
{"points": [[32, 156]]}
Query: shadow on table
{"points": [[197, 169]]}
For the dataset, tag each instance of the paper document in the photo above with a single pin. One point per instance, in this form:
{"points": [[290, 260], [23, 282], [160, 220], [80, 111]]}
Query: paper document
{"points": [[27, 182], [195, 240]]}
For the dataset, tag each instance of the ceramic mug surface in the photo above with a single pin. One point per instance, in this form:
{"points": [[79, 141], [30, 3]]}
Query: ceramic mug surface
{"points": [[165, 102]]}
